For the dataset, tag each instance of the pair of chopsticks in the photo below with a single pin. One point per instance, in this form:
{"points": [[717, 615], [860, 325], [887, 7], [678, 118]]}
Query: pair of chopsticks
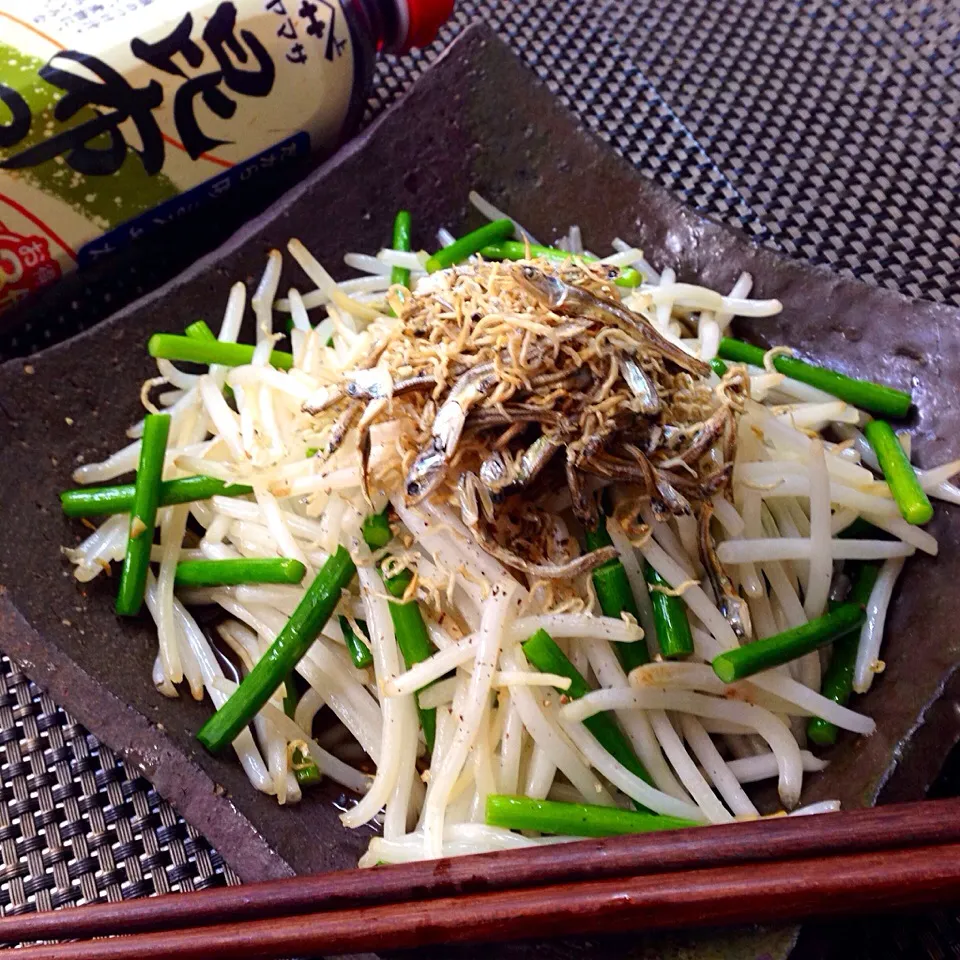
{"points": [[767, 870]]}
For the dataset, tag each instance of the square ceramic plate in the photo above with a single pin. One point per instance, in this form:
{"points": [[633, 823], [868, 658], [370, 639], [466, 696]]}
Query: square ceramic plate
{"points": [[478, 120]]}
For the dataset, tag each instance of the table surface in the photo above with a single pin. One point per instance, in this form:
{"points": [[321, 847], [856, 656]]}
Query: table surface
{"points": [[826, 130]]}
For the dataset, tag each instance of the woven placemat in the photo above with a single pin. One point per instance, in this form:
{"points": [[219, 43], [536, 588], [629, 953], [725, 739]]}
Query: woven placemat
{"points": [[824, 130], [75, 826]]}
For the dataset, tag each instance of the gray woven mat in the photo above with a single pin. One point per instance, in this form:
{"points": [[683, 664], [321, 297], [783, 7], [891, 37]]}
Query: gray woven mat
{"points": [[75, 826], [825, 130]]}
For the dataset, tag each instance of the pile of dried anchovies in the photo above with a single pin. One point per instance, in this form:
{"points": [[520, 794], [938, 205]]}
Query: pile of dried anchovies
{"points": [[522, 378]]}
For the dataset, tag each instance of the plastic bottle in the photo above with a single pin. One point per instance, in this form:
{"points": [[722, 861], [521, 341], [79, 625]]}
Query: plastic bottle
{"points": [[118, 117]]}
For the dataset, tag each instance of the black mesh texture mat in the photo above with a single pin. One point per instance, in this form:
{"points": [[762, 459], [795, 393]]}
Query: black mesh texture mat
{"points": [[826, 130], [75, 826]]}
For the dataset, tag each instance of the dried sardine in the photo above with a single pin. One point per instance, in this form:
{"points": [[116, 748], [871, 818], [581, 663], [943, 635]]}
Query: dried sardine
{"points": [[700, 488], [733, 607], [677, 504], [377, 384], [532, 461], [430, 465], [496, 472], [583, 505], [572, 300], [340, 429], [544, 571], [473, 496], [706, 437], [641, 385], [497, 416]]}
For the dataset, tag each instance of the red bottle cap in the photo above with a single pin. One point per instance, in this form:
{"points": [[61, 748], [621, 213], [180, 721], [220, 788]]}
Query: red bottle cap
{"points": [[426, 17]]}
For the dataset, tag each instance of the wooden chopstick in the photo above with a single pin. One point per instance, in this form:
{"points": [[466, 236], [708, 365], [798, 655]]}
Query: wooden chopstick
{"points": [[860, 831], [777, 890]]}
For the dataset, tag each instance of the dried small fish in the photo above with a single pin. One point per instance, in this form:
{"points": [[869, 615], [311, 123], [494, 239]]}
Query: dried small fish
{"points": [[714, 482], [373, 384], [733, 607], [641, 385], [639, 471], [373, 409], [377, 384], [595, 435], [328, 396], [671, 436], [578, 380], [340, 429], [323, 399], [700, 488], [473, 496], [569, 299], [706, 437], [584, 507], [496, 473], [535, 458], [670, 497], [494, 369], [729, 443], [513, 413], [544, 571], [429, 467], [499, 475]]}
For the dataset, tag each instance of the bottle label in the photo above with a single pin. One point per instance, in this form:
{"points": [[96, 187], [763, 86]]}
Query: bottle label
{"points": [[26, 264], [189, 202], [117, 116]]}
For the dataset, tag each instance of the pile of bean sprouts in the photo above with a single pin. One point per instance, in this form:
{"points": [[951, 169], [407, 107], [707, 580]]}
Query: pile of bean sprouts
{"points": [[803, 473]]}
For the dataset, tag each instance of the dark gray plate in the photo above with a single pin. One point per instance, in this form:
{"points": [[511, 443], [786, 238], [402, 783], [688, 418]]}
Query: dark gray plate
{"points": [[478, 120]]}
